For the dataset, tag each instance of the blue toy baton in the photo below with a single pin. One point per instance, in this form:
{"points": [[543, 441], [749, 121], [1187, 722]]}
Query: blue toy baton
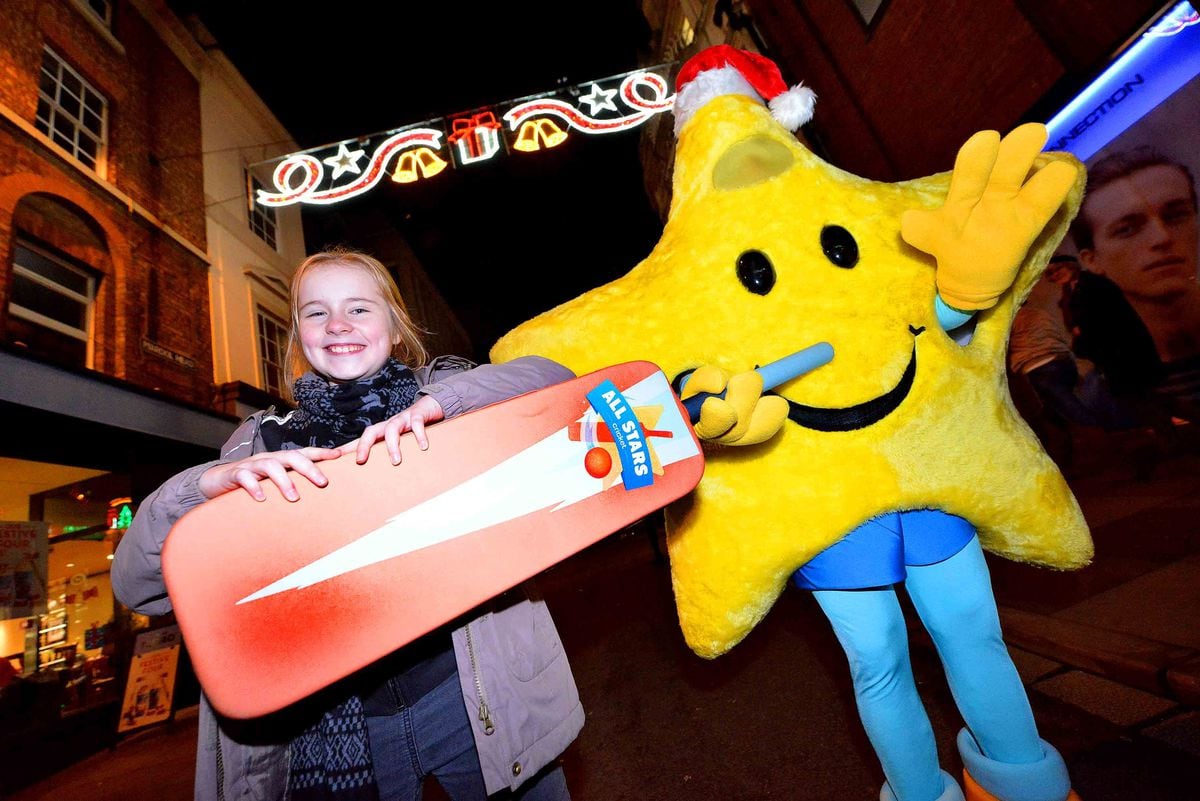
{"points": [[773, 374]]}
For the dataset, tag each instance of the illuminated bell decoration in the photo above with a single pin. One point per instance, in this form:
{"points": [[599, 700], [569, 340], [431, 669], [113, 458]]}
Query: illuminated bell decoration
{"points": [[472, 137], [536, 134], [419, 163]]}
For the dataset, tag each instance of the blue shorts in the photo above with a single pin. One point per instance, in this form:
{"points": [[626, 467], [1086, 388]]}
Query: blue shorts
{"points": [[878, 552]]}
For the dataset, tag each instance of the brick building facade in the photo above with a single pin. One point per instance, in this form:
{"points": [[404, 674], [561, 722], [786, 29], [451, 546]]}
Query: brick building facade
{"points": [[132, 221], [106, 352]]}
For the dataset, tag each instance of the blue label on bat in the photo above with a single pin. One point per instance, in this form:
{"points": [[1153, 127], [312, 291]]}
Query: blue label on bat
{"points": [[626, 432]]}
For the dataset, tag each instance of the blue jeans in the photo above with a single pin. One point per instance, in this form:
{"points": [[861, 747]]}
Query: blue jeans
{"points": [[433, 737]]}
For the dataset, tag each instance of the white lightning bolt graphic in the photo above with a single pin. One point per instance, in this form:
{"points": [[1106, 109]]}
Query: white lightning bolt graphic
{"points": [[549, 473]]}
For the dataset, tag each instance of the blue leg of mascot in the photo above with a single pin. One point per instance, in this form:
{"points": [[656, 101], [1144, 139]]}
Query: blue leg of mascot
{"points": [[1000, 746]]}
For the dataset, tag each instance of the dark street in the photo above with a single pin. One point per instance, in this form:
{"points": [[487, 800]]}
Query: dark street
{"points": [[774, 718]]}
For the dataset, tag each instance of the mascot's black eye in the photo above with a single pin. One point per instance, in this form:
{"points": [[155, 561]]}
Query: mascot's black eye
{"points": [[755, 272], [839, 246]]}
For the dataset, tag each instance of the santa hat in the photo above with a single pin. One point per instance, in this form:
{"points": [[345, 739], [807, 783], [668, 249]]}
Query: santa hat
{"points": [[725, 70]]}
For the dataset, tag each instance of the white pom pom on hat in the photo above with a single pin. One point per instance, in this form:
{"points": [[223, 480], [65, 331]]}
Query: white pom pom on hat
{"points": [[725, 70]]}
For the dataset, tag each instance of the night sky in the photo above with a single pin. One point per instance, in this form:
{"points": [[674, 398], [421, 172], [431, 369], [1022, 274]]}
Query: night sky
{"points": [[535, 229]]}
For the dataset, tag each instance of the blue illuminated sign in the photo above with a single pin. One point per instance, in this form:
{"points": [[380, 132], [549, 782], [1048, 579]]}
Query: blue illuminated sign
{"points": [[1163, 59]]}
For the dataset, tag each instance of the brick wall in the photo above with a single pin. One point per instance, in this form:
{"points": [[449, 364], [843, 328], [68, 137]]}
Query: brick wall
{"points": [[151, 315], [157, 134], [896, 100]]}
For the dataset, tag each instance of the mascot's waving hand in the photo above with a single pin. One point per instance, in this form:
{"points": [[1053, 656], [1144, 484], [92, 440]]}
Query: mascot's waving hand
{"points": [[903, 459]]}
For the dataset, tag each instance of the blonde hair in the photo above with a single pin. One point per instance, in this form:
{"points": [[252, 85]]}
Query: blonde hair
{"points": [[408, 349]]}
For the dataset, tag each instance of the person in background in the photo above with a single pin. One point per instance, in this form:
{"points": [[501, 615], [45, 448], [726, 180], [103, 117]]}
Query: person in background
{"points": [[1138, 228], [1039, 352], [1107, 331], [420, 711], [1040, 349]]}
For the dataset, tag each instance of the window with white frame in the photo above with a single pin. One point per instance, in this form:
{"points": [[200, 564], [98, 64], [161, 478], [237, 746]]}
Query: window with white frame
{"points": [[262, 218], [70, 110], [272, 349], [50, 303], [687, 33]]}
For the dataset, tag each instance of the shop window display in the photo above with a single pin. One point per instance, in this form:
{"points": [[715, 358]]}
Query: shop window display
{"points": [[66, 651]]}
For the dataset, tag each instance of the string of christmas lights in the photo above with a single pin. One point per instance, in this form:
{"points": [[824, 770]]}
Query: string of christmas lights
{"points": [[423, 150]]}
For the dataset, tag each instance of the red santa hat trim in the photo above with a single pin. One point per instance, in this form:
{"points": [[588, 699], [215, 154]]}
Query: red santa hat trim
{"points": [[725, 70]]}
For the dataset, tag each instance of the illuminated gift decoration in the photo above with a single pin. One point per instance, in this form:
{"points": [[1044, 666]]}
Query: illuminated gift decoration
{"points": [[476, 137], [536, 134], [536, 124], [419, 163]]}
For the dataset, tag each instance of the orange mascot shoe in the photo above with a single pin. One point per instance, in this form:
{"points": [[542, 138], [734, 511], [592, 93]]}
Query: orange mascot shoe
{"points": [[974, 792]]}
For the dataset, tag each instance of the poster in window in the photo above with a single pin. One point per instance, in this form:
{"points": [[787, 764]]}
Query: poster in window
{"points": [[151, 685], [54, 629], [1134, 127], [24, 553]]}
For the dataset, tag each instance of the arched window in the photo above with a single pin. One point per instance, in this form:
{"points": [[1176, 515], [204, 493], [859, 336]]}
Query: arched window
{"points": [[59, 258]]}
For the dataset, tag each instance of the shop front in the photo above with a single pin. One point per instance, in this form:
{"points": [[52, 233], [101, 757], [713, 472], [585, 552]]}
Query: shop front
{"points": [[79, 451]]}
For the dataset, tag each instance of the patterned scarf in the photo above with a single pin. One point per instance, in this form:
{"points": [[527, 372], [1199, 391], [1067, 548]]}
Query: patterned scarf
{"points": [[333, 414], [331, 760]]}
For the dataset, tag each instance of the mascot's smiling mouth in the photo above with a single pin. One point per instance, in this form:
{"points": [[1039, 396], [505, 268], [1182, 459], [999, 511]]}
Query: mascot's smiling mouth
{"points": [[863, 414]]}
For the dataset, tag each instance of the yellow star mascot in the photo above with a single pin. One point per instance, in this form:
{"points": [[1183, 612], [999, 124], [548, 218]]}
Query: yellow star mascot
{"points": [[902, 459]]}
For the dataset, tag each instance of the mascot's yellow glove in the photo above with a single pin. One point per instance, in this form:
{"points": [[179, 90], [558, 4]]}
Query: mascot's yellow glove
{"points": [[991, 216], [744, 416]]}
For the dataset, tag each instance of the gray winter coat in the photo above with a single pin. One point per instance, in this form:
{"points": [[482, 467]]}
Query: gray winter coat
{"points": [[511, 659]]}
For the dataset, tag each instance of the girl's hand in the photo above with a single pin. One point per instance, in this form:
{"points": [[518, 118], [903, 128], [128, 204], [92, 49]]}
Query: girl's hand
{"points": [[426, 410], [273, 466]]}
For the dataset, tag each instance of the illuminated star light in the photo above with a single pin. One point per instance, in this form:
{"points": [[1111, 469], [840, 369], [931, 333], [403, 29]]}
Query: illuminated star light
{"points": [[346, 160], [599, 99]]}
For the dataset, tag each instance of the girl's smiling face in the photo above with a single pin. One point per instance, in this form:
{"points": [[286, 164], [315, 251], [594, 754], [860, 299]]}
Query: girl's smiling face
{"points": [[344, 324]]}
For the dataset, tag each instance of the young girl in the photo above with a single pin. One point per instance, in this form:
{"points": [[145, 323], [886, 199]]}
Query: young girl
{"points": [[419, 711]]}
